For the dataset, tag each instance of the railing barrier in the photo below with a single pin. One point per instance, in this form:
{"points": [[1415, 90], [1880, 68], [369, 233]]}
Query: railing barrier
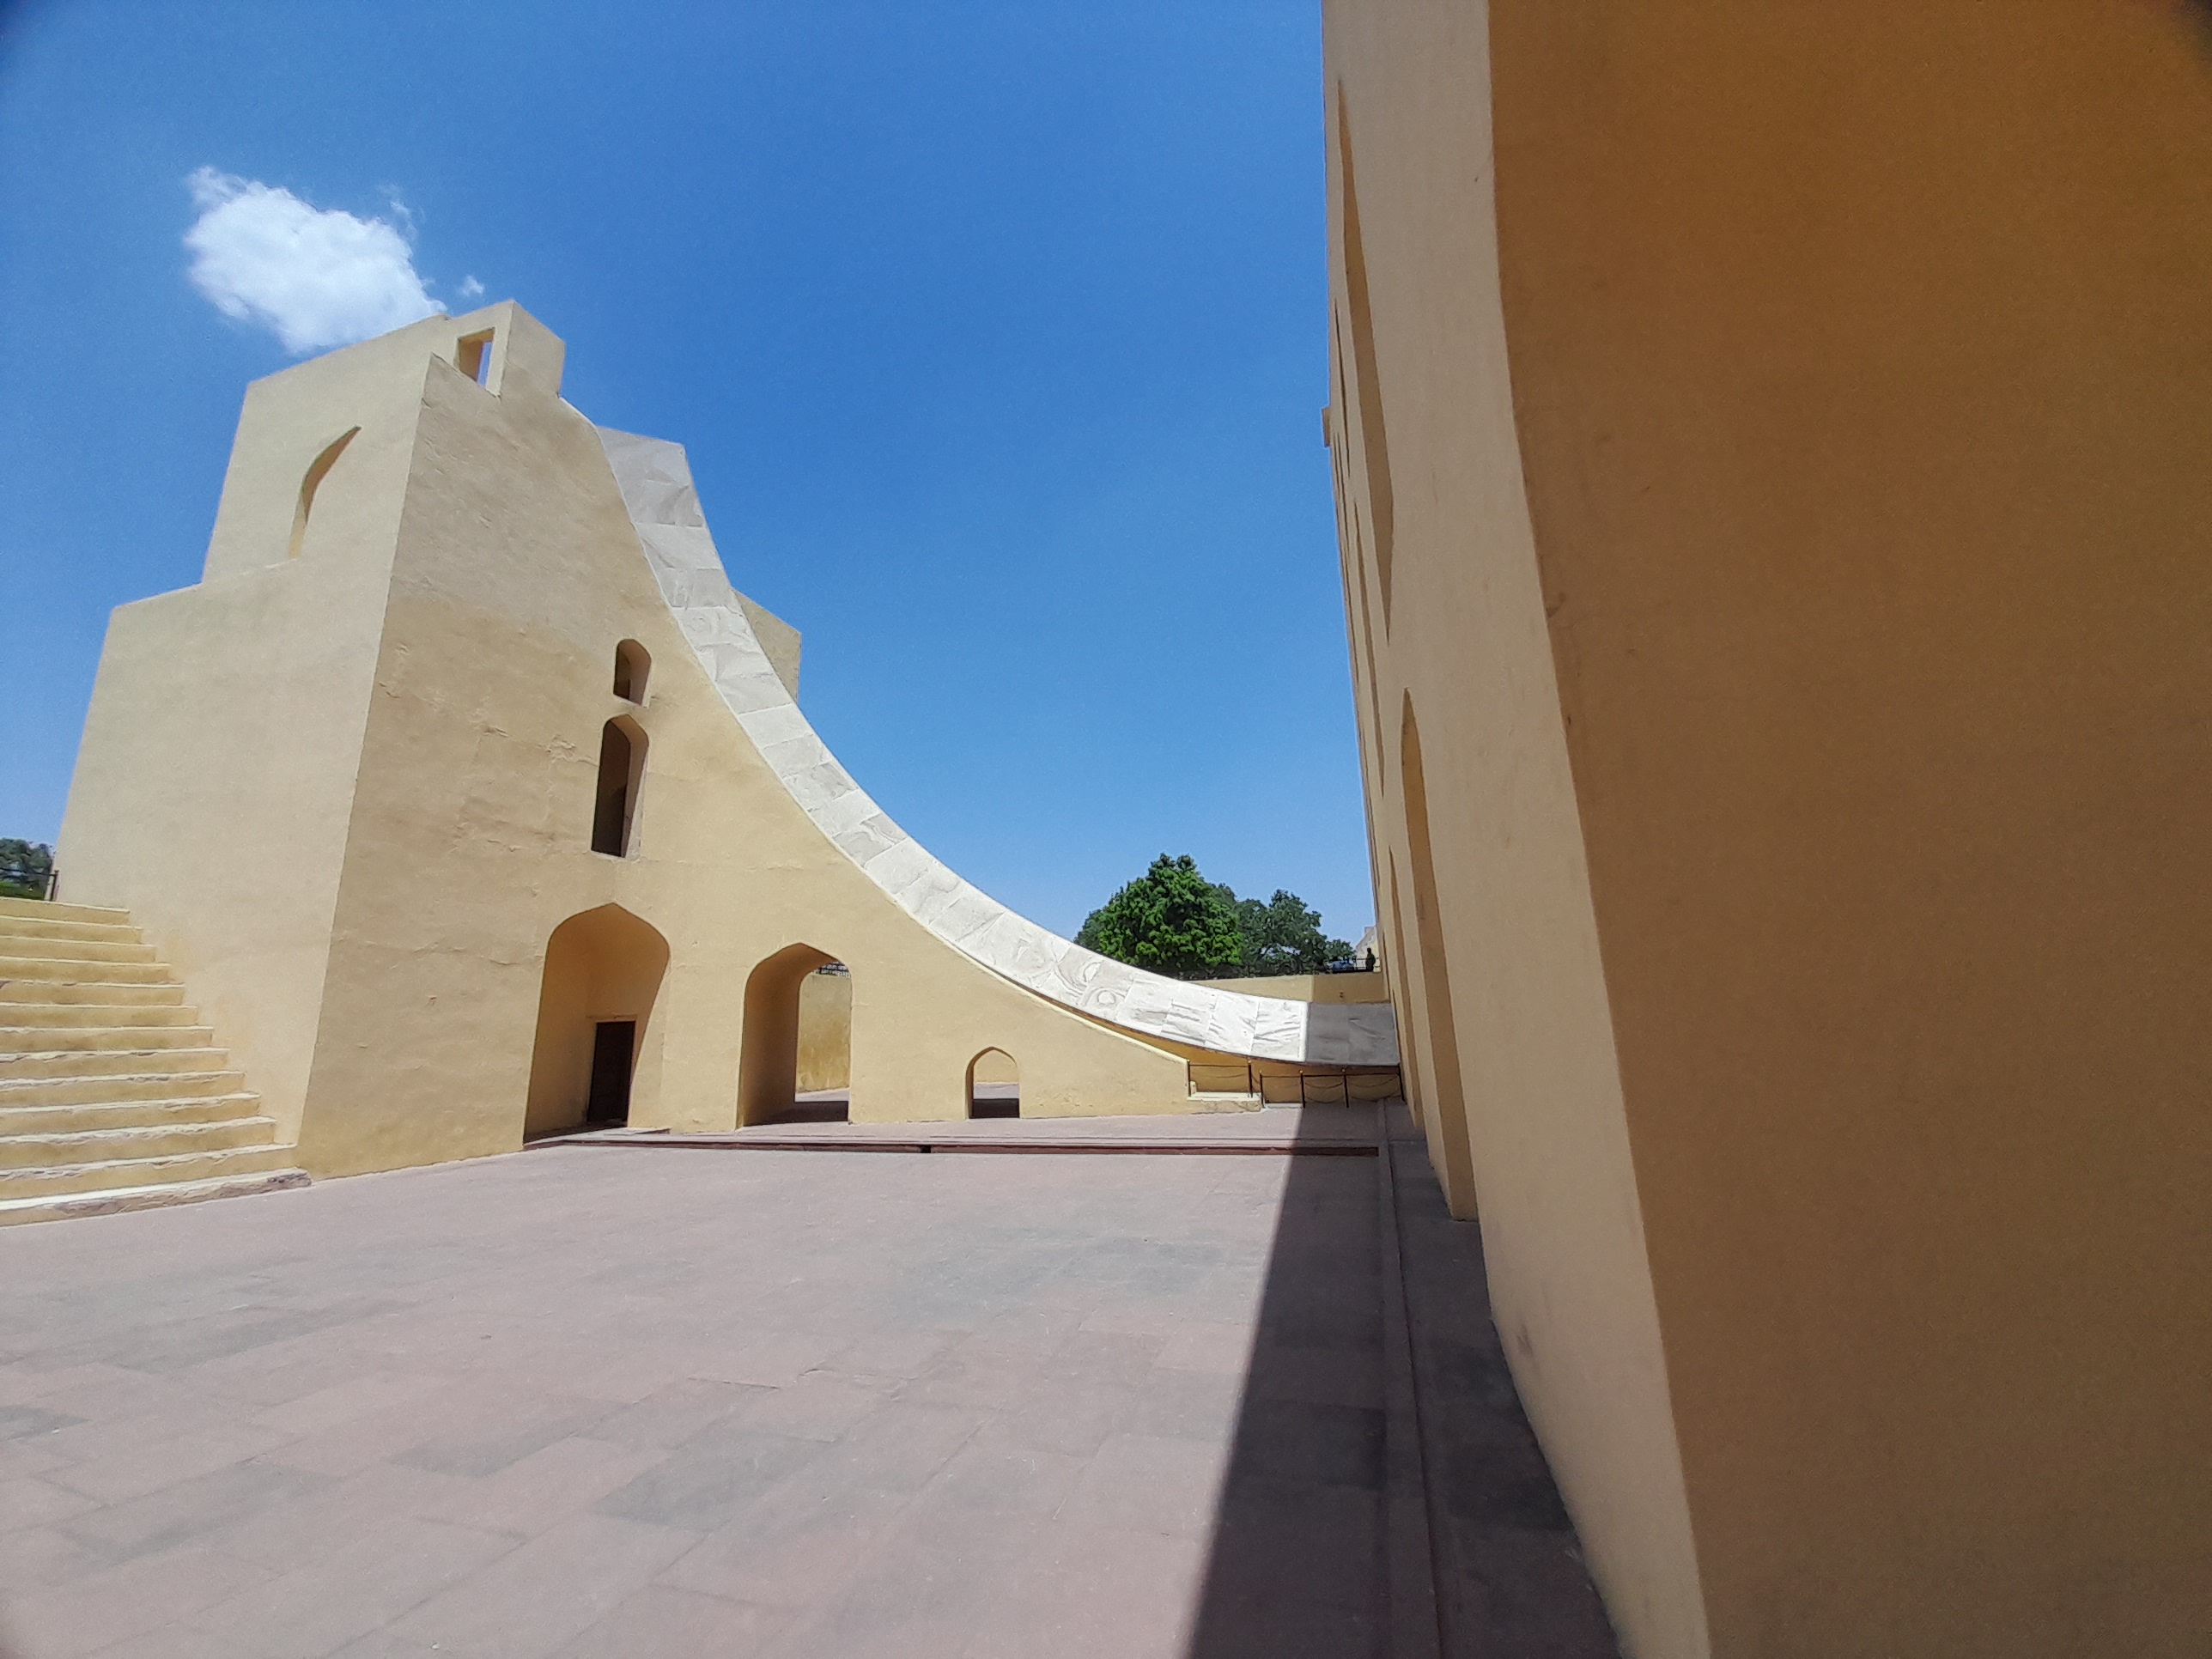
{"points": [[1340, 1087]]}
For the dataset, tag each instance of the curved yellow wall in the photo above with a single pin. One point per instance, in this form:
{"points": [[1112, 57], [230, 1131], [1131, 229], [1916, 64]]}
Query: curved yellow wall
{"points": [[1860, 372]]}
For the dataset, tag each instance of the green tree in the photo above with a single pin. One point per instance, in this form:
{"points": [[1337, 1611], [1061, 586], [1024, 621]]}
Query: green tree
{"points": [[1169, 921], [25, 866], [1283, 935]]}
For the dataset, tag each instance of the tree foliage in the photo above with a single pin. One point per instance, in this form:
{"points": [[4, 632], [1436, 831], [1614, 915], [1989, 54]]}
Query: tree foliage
{"points": [[1172, 921], [1169, 921], [24, 867], [1283, 935]]}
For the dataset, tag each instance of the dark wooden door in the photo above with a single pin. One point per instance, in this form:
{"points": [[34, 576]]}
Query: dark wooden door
{"points": [[612, 1044]]}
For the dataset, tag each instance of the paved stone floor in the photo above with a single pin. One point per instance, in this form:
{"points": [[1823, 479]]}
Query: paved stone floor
{"points": [[606, 1402]]}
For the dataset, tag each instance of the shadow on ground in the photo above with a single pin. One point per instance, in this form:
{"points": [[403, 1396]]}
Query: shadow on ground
{"points": [[822, 1106], [836, 1106], [1385, 1495]]}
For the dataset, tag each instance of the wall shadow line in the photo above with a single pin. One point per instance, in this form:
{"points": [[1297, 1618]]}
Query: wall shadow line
{"points": [[1384, 1493]]}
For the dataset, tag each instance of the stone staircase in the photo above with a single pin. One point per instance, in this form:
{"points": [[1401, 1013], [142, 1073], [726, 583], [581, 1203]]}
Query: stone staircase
{"points": [[112, 1096]]}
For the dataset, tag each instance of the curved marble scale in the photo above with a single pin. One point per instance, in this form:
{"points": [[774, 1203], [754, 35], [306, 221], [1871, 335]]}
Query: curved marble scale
{"points": [[655, 478]]}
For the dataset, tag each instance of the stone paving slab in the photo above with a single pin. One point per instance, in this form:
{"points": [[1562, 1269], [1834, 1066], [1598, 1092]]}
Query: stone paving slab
{"points": [[574, 1404]]}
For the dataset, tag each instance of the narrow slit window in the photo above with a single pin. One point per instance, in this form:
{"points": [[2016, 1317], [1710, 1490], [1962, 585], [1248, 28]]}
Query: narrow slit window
{"points": [[621, 768], [317, 471], [473, 356], [632, 664]]}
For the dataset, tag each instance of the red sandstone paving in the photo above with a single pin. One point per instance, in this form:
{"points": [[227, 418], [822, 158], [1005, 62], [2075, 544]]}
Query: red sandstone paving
{"points": [[589, 1400]]}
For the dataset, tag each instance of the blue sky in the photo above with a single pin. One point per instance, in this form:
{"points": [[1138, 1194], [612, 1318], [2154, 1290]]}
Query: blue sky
{"points": [[995, 332]]}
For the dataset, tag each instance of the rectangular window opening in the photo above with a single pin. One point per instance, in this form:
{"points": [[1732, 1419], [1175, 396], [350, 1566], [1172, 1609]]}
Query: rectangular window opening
{"points": [[473, 356]]}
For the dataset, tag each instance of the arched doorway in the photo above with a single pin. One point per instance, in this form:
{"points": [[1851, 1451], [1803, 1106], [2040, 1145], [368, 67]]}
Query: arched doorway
{"points": [[603, 972], [994, 1086], [780, 991], [825, 1085]]}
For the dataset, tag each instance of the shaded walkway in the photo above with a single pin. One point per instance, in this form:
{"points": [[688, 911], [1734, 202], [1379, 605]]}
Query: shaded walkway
{"points": [[579, 1401]]}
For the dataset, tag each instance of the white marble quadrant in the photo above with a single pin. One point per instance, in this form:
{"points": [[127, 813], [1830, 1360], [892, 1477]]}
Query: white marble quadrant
{"points": [[655, 479]]}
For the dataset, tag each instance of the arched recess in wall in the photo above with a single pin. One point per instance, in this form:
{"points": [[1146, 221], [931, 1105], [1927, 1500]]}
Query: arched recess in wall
{"points": [[1356, 605], [995, 1085], [621, 773], [632, 664], [595, 1003], [1401, 998], [768, 1056], [1367, 653], [1339, 388], [1436, 1021], [1373, 442], [317, 469]]}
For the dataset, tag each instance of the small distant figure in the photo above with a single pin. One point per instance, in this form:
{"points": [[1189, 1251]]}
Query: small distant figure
{"points": [[1371, 958]]}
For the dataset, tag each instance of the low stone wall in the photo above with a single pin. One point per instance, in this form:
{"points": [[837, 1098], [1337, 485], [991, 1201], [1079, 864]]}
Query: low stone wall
{"points": [[1310, 988]]}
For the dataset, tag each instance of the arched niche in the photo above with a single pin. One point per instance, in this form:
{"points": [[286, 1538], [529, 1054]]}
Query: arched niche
{"points": [[768, 1060], [995, 1085], [317, 469], [1435, 1018], [632, 663], [595, 1005]]}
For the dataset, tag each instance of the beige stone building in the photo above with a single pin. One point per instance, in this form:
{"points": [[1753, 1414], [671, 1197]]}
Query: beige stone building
{"points": [[468, 800], [1771, 447]]}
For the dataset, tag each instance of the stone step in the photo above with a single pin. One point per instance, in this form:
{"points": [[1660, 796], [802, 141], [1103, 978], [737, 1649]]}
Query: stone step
{"points": [[53, 1062], [85, 1037], [86, 1116], [81, 951], [95, 1016], [102, 993], [139, 1142], [51, 1181], [113, 1200], [117, 932], [40, 910], [16, 971], [145, 1085]]}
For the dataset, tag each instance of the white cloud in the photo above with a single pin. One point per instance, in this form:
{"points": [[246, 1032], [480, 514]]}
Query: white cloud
{"points": [[471, 288], [314, 278]]}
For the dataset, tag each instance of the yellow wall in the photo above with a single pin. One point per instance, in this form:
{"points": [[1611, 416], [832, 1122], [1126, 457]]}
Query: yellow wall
{"points": [[1310, 987], [220, 746], [1795, 520], [1504, 1022], [825, 1031]]}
